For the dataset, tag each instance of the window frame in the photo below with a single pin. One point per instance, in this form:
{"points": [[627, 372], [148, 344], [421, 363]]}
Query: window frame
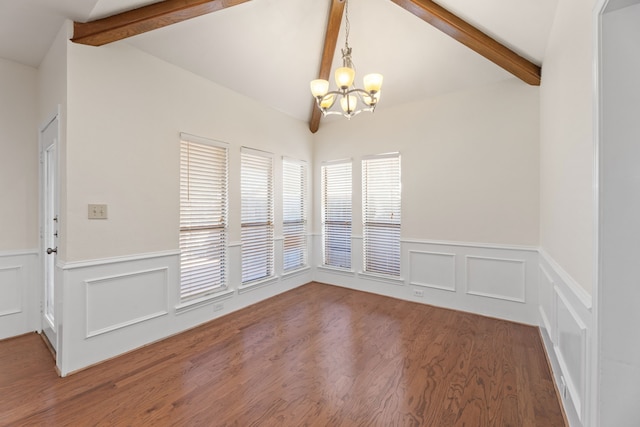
{"points": [[249, 264], [381, 251], [186, 293], [337, 237], [299, 239]]}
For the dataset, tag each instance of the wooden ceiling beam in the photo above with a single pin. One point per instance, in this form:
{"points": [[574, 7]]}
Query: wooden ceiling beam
{"points": [[143, 19], [473, 38], [330, 41]]}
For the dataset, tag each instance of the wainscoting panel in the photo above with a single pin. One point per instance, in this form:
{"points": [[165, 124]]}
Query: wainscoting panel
{"points": [[496, 278], [547, 302], [432, 270], [118, 301], [19, 274], [493, 280], [571, 348], [112, 306], [11, 284], [566, 323]]}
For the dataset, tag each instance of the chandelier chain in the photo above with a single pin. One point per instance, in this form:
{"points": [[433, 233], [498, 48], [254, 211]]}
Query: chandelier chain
{"points": [[347, 24]]}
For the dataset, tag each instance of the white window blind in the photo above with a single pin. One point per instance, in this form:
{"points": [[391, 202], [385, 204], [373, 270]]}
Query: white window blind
{"points": [[336, 214], [294, 227], [203, 217], [257, 215], [381, 201]]}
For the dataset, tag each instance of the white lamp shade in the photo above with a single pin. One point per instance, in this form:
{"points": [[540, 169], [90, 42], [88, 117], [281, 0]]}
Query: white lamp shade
{"points": [[319, 87], [372, 82], [327, 102], [344, 77], [348, 103]]}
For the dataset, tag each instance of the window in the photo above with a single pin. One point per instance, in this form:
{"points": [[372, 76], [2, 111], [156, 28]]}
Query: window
{"points": [[203, 216], [294, 227], [381, 202], [336, 214], [257, 215]]}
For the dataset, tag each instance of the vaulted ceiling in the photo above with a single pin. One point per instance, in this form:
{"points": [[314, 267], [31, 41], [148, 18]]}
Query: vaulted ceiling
{"points": [[269, 50]]}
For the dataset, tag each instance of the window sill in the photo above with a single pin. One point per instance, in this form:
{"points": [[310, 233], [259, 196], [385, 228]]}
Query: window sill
{"points": [[297, 272], [382, 278], [202, 301], [336, 270], [257, 284]]}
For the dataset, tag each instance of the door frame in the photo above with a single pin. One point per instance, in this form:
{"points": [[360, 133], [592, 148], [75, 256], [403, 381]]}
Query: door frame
{"points": [[55, 117]]}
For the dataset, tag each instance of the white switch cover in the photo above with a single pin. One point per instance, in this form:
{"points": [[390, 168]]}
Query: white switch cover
{"points": [[97, 211]]}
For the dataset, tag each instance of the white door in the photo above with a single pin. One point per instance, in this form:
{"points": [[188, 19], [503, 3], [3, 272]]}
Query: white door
{"points": [[49, 203]]}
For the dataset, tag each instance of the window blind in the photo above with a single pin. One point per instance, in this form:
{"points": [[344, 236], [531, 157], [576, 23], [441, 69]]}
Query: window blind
{"points": [[381, 193], [203, 218], [294, 227], [336, 214], [257, 215]]}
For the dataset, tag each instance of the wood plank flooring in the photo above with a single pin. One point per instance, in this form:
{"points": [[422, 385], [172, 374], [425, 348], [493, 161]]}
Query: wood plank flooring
{"points": [[316, 356]]}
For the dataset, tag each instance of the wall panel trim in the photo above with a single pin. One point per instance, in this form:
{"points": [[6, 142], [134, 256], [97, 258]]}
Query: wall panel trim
{"points": [[574, 286], [471, 245], [101, 280], [493, 294], [413, 282], [114, 260], [22, 252]]}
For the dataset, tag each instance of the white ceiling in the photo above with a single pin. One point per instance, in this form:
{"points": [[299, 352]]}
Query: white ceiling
{"points": [[269, 50]]}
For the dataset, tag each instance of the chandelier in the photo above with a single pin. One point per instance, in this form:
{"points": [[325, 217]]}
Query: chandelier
{"points": [[348, 94]]}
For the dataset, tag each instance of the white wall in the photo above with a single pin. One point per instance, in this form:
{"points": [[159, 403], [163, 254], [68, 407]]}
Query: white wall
{"points": [[19, 204], [469, 162], [19, 160], [52, 98], [618, 290], [566, 143], [567, 207], [120, 276], [126, 110], [469, 198]]}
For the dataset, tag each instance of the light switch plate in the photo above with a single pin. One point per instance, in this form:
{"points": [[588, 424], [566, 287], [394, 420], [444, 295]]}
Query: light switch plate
{"points": [[97, 211]]}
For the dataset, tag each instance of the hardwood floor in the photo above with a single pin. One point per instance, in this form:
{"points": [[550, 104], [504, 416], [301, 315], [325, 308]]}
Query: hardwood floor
{"points": [[316, 356]]}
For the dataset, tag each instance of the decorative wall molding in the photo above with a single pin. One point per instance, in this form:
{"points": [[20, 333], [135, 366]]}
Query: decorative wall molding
{"points": [[546, 299], [114, 260], [571, 349], [21, 252], [499, 278], [566, 319], [436, 273], [436, 270], [574, 286], [117, 301], [11, 290], [19, 292], [471, 245], [120, 304]]}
